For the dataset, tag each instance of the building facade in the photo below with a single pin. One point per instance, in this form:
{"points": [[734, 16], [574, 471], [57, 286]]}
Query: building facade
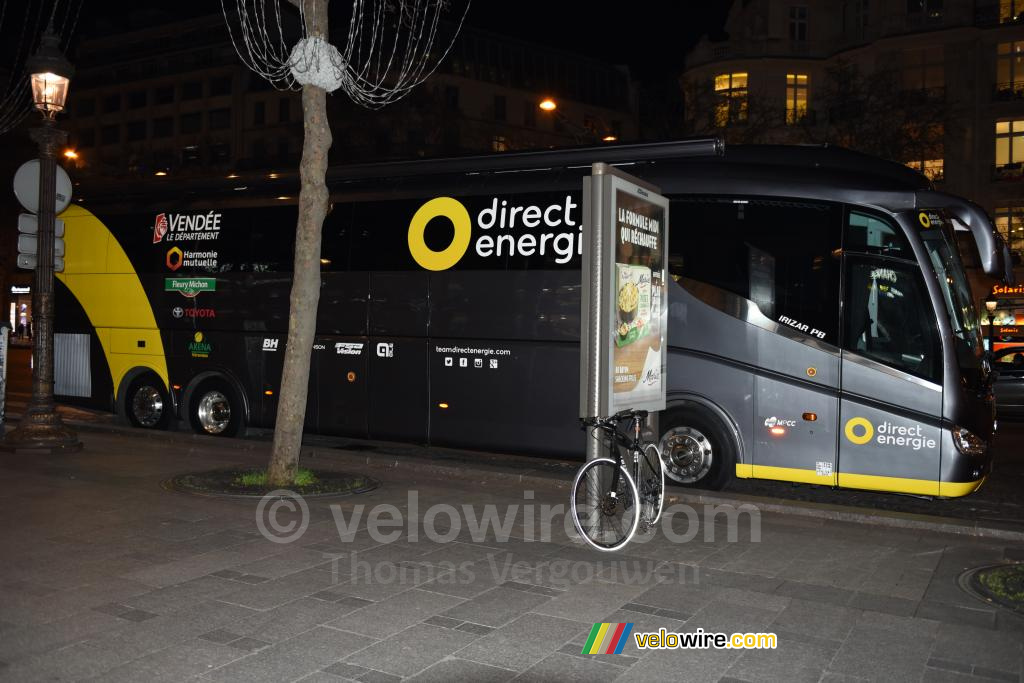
{"points": [[935, 84], [174, 98]]}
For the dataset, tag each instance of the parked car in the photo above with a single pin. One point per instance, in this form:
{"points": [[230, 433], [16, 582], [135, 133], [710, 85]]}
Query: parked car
{"points": [[1009, 363]]}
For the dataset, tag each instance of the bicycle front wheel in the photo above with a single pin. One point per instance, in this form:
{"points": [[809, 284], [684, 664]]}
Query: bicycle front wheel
{"points": [[605, 505], [651, 483]]}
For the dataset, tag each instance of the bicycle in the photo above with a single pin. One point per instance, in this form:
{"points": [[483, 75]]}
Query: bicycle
{"points": [[609, 502]]}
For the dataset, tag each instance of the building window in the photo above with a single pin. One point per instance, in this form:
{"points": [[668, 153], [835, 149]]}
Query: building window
{"points": [[220, 153], [924, 70], [499, 107], [1010, 224], [191, 155], [931, 168], [110, 135], [191, 123], [731, 105], [111, 103], [1009, 147], [1010, 70], [499, 143], [220, 86], [796, 98], [138, 99], [1011, 11], [925, 9], [163, 94], [219, 119], [529, 114], [284, 110], [135, 131], [259, 113], [163, 127], [798, 24], [85, 107], [451, 97], [191, 90], [86, 137]]}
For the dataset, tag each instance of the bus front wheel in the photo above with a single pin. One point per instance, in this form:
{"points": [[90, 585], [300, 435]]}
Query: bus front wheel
{"points": [[215, 409], [695, 449], [147, 405]]}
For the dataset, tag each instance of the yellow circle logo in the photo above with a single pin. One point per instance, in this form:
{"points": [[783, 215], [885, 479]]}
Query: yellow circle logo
{"points": [[812, 372], [198, 337], [453, 210], [851, 434], [925, 221]]}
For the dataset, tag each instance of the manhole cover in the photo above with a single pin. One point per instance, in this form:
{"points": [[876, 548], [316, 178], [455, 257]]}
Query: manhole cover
{"points": [[999, 584]]}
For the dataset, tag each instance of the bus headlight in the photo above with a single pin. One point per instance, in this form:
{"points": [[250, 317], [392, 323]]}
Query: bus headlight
{"points": [[967, 442]]}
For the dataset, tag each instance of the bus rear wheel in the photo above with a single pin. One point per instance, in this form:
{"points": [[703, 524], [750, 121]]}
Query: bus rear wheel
{"points": [[215, 409], [695, 449], [147, 405]]}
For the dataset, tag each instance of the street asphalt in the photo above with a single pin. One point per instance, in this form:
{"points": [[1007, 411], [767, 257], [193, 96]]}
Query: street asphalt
{"points": [[107, 575]]}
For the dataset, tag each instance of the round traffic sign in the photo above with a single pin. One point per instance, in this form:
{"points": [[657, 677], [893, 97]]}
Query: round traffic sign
{"points": [[26, 187]]}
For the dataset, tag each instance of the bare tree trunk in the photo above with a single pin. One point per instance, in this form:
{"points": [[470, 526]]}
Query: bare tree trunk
{"points": [[305, 296]]}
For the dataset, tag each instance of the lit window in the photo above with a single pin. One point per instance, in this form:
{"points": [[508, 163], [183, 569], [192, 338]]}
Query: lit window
{"points": [[1010, 224], [1010, 11], [499, 144], [932, 168], [1009, 147], [731, 107], [796, 98], [1010, 70]]}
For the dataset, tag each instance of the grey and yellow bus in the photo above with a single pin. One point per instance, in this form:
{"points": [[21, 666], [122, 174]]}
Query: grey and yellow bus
{"points": [[820, 325]]}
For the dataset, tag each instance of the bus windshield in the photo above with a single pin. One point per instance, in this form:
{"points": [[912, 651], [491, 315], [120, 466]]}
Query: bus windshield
{"points": [[956, 293]]}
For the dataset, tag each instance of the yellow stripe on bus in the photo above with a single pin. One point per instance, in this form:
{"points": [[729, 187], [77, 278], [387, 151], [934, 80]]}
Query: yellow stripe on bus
{"points": [[870, 482], [101, 276]]}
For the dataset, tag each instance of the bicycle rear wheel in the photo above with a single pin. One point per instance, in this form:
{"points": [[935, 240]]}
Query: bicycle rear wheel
{"points": [[651, 483], [605, 505]]}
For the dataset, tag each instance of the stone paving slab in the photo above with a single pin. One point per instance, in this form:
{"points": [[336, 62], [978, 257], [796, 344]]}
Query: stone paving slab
{"points": [[106, 576]]}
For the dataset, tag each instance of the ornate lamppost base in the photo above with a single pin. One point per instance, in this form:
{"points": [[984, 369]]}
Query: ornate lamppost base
{"points": [[41, 432]]}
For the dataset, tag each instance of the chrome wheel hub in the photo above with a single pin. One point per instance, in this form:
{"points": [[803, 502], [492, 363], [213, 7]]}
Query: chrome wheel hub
{"points": [[214, 412], [687, 454], [147, 406]]}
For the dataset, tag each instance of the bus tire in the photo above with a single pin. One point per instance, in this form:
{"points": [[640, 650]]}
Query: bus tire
{"points": [[147, 405], [215, 409], [696, 449]]}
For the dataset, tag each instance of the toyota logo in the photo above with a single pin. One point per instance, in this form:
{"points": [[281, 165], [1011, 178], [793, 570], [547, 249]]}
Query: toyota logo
{"points": [[178, 311]]}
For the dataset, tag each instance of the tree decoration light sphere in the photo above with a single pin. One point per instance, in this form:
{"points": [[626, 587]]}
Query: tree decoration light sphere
{"points": [[314, 61]]}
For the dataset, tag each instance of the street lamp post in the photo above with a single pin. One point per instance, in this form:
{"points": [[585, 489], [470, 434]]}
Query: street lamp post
{"points": [[40, 427], [991, 303]]}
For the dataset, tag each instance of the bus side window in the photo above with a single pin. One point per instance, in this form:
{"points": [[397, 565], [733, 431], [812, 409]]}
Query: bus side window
{"points": [[782, 255], [888, 316], [870, 235]]}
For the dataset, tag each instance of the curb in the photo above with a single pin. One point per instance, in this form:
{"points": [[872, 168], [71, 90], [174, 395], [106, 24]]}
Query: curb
{"points": [[483, 467]]}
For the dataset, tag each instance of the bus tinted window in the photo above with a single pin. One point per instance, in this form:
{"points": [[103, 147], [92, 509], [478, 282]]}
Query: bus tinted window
{"points": [[871, 235], [781, 255], [889, 317]]}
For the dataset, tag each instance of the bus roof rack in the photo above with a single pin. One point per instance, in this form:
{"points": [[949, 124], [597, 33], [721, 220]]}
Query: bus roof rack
{"points": [[521, 161]]}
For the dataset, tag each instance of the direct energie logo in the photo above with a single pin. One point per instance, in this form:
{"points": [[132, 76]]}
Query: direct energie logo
{"points": [[499, 228], [453, 210], [867, 430]]}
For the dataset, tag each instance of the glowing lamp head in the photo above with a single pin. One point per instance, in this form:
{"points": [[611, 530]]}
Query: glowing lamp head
{"points": [[70, 154], [548, 104], [991, 303], [50, 75]]}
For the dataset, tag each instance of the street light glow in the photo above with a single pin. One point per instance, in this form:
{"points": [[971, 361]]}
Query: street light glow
{"points": [[160, 173], [548, 104], [609, 138], [70, 154]]}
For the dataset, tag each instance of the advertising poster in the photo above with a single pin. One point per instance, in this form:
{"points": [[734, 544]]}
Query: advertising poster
{"points": [[639, 301]]}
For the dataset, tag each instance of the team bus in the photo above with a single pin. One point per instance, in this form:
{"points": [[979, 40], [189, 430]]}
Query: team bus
{"points": [[820, 327]]}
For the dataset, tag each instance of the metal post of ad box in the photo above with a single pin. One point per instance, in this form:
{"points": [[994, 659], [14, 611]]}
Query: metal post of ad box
{"points": [[4, 337], [624, 296]]}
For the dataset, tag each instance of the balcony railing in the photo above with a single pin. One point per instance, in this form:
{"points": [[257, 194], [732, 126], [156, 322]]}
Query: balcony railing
{"points": [[1011, 171], [1012, 90]]}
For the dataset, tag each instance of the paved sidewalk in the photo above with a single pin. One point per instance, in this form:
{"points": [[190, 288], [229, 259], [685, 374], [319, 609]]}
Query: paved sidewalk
{"points": [[106, 576]]}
